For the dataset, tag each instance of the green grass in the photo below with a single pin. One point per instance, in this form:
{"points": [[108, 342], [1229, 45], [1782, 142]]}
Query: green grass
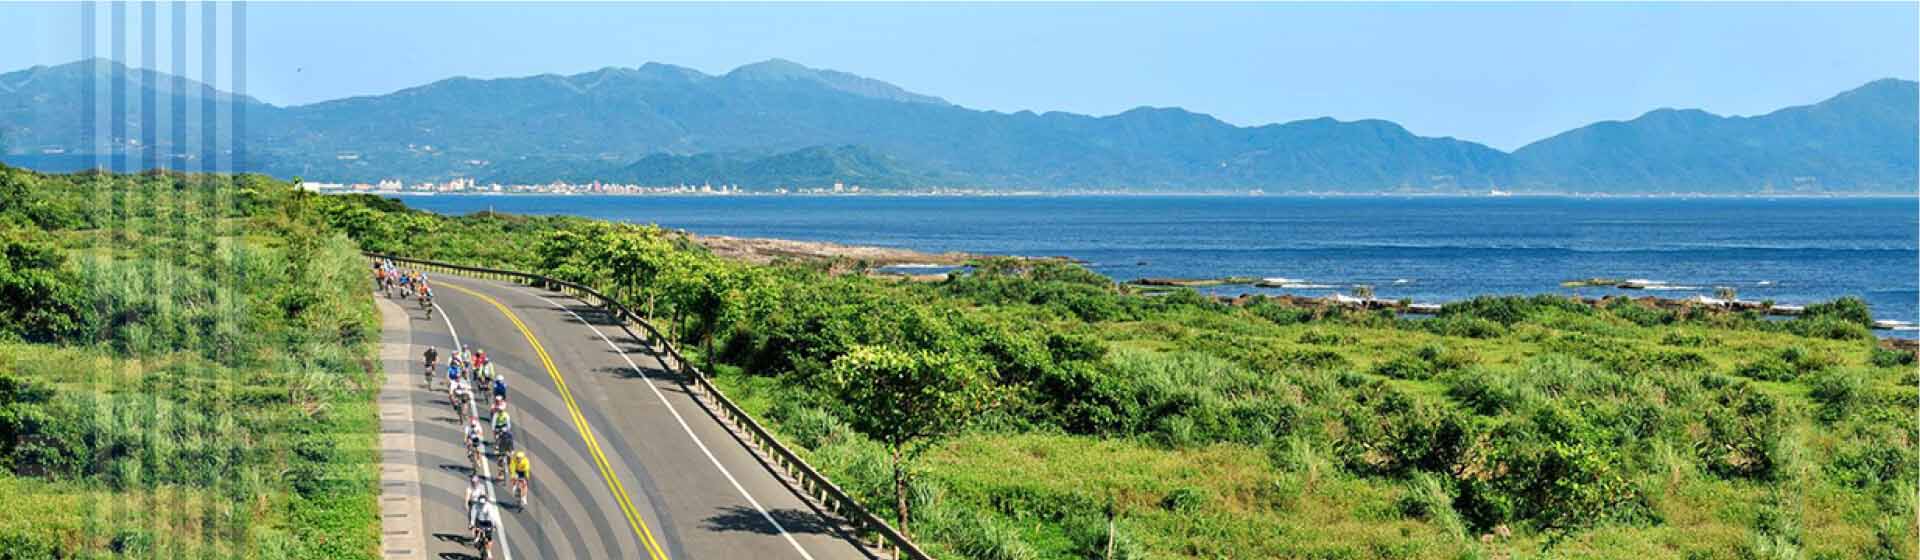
{"points": [[201, 387]]}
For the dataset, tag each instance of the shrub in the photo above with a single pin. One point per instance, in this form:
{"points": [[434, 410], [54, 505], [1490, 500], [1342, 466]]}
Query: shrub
{"points": [[1508, 310], [1872, 457], [1389, 432], [1745, 429], [1686, 339], [1426, 361], [1888, 357], [1643, 315], [1429, 497], [1282, 315], [1186, 499], [1792, 362], [1311, 358], [1465, 326], [1328, 338], [1847, 309], [1552, 470], [1827, 327], [1838, 393], [1488, 392]]}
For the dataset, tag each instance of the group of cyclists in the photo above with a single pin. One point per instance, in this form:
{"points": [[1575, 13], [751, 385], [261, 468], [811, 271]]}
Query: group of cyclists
{"points": [[472, 383], [470, 378], [409, 283]]}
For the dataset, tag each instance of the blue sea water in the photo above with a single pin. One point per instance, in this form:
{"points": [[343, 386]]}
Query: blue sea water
{"points": [[1428, 249]]}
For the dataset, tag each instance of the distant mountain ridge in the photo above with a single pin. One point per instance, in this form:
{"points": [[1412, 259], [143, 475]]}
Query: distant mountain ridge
{"points": [[779, 123]]}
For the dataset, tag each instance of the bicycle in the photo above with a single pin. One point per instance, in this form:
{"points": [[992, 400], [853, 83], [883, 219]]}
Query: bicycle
{"points": [[503, 446], [483, 540], [476, 454], [520, 487], [429, 374]]}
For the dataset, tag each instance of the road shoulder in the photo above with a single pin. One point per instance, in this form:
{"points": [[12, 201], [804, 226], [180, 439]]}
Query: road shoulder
{"points": [[402, 522]]}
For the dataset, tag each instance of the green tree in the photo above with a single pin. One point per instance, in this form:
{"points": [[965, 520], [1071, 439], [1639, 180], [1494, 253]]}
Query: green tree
{"points": [[909, 400], [40, 298]]}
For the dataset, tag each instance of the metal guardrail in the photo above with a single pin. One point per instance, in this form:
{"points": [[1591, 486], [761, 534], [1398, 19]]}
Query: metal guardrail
{"points": [[811, 481]]}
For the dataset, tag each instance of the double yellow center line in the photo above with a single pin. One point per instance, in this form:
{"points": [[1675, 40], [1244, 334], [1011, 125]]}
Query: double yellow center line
{"points": [[607, 474]]}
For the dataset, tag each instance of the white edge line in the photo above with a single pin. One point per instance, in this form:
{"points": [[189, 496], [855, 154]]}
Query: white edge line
{"points": [[688, 429], [485, 465]]}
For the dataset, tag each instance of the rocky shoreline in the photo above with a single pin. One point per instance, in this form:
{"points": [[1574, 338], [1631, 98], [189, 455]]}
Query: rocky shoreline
{"points": [[763, 251]]}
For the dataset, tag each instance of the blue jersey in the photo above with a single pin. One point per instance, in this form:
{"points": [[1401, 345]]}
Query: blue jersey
{"points": [[453, 372], [500, 386]]}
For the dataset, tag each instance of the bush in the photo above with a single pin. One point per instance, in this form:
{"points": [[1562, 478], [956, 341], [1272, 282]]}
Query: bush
{"points": [[1489, 393], [1281, 315], [1328, 338], [1887, 357], [1830, 328], [1389, 432], [1745, 432], [1686, 339], [1792, 362], [1838, 393], [1310, 358], [1847, 309], [1874, 457], [1426, 362], [1643, 315], [1508, 310], [1554, 471], [1430, 497], [1465, 326]]}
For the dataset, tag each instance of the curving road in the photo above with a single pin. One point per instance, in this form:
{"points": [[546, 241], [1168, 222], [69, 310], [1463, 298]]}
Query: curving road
{"points": [[626, 463]]}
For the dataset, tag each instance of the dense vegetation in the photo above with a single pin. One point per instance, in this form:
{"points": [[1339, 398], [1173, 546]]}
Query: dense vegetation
{"points": [[777, 123], [183, 372], [1176, 426]]}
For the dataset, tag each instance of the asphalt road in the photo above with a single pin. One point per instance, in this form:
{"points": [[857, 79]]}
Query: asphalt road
{"points": [[626, 463]]}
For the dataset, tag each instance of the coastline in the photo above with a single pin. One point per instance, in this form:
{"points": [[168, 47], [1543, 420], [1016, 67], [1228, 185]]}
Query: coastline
{"points": [[761, 250]]}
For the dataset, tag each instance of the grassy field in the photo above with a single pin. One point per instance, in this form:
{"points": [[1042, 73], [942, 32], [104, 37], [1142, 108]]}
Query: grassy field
{"points": [[1171, 425], [184, 372]]}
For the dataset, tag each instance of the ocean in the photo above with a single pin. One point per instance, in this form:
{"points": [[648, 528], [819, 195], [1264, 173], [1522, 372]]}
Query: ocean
{"points": [[1424, 248]]}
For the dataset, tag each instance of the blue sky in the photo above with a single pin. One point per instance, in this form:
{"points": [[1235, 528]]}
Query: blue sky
{"points": [[1501, 74]]}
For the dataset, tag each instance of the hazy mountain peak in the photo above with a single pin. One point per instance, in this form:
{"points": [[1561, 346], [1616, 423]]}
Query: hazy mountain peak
{"points": [[658, 70], [70, 77], [780, 69]]}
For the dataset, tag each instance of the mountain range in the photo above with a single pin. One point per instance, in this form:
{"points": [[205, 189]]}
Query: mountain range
{"points": [[778, 123]]}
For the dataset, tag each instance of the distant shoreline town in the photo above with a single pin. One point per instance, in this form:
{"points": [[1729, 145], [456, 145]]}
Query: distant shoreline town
{"points": [[470, 187]]}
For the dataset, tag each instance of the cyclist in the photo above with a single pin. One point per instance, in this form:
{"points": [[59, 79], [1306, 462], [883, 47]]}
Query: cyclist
{"points": [[462, 394], [476, 498], [502, 422], [499, 407], [453, 377], [483, 530], [432, 355], [500, 388], [476, 444], [483, 380], [519, 469], [503, 446]]}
